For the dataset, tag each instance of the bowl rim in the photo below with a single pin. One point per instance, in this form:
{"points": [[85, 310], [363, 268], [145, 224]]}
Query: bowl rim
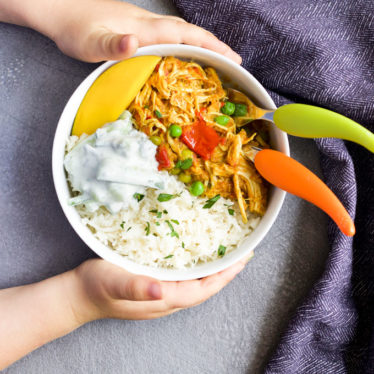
{"points": [[62, 189]]}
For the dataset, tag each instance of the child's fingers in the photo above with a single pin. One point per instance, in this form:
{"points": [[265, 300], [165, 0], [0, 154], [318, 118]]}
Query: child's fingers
{"points": [[189, 293], [107, 45], [195, 35], [141, 310], [180, 295], [128, 44], [175, 18], [119, 284], [111, 46], [170, 30], [175, 295], [137, 288]]}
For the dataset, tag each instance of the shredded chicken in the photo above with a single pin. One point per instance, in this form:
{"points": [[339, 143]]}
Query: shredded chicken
{"points": [[176, 93]]}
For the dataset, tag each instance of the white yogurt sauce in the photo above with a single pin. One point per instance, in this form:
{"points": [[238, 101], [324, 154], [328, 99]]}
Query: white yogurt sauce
{"points": [[112, 165]]}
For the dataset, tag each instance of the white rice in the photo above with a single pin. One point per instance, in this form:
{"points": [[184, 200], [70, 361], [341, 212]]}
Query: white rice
{"points": [[201, 231]]}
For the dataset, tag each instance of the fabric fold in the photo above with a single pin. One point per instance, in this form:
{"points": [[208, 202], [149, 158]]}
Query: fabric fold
{"points": [[321, 53]]}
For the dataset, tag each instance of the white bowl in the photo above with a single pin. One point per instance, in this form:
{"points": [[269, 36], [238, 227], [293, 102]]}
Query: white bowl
{"points": [[238, 77]]}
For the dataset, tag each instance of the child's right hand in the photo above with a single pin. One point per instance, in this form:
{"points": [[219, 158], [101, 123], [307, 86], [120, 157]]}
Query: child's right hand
{"points": [[103, 290], [97, 30]]}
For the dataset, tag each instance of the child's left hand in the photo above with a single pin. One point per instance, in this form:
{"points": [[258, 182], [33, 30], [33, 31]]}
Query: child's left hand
{"points": [[103, 290], [97, 30], [35, 314]]}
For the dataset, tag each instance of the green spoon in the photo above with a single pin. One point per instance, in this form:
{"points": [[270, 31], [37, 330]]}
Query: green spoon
{"points": [[308, 121]]}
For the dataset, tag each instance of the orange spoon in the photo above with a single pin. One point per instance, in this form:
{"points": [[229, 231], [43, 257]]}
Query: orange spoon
{"points": [[289, 175]]}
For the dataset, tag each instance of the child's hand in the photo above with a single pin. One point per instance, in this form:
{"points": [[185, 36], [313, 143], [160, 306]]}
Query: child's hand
{"points": [[108, 291], [96, 289], [96, 30]]}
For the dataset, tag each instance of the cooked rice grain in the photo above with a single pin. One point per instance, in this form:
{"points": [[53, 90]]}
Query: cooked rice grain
{"points": [[146, 239]]}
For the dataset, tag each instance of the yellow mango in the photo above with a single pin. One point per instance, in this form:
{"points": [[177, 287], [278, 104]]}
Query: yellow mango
{"points": [[112, 92]]}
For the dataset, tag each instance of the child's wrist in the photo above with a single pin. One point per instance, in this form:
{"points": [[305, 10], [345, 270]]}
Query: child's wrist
{"points": [[29, 13], [82, 308]]}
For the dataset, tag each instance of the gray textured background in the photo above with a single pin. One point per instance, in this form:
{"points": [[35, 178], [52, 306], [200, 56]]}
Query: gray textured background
{"points": [[234, 332]]}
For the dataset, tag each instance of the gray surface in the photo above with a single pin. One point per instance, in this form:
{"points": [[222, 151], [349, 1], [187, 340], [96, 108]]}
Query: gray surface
{"points": [[234, 332]]}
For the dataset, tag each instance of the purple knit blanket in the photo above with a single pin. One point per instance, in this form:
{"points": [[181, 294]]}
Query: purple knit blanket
{"points": [[319, 52]]}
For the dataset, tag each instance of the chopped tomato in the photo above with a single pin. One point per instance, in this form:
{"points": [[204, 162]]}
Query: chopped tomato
{"points": [[162, 158], [200, 138]]}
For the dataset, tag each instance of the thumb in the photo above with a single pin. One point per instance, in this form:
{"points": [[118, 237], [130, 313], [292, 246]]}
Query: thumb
{"points": [[139, 288], [112, 46]]}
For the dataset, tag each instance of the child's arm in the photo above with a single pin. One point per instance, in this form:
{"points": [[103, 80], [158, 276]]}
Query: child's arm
{"points": [[96, 30], [33, 315]]}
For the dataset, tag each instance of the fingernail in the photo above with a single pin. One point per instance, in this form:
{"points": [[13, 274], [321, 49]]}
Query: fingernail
{"points": [[124, 43], [154, 291], [234, 56], [237, 269], [246, 260]]}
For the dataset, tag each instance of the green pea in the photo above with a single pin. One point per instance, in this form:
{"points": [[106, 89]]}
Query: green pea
{"points": [[197, 188], [187, 163], [186, 153], [175, 171], [158, 114], [156, 140], [175, 131], [185, 178], [222, 120], [240, 110], [228, 108]]}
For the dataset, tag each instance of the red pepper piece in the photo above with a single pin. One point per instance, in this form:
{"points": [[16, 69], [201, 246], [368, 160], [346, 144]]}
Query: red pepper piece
{"points": [[200, 117], [162, 158], [201, 138], [197, 71]]}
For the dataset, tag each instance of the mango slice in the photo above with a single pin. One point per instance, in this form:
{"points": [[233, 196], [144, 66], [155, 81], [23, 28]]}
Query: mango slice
{"points": [[112, 92]]}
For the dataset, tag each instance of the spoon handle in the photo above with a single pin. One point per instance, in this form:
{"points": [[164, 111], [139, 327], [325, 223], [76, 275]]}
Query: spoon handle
{"points": [[309, 121], [289, 175]]}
